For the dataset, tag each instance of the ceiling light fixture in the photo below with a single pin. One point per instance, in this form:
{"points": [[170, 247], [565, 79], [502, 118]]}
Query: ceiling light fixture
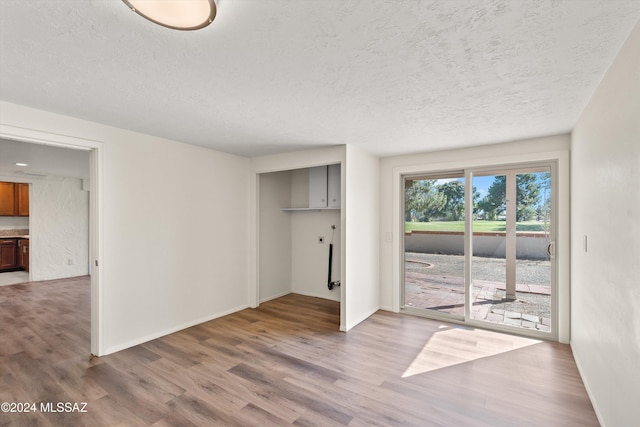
{"points": [[176, 14], [22, 164]]}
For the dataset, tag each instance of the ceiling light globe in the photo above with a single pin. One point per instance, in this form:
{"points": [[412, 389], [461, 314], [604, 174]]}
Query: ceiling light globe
{"points": [[175, 14]]}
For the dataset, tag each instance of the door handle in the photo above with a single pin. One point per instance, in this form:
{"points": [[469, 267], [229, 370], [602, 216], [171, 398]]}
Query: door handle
{"points": [[551, 249]]}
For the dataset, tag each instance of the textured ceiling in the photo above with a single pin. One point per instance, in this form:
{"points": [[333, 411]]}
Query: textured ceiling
{"points": [[42, 160], [271, 76]]}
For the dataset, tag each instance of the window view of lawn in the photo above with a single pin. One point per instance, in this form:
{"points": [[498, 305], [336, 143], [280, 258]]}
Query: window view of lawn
{"points": [[439, 204], [478, 226]]}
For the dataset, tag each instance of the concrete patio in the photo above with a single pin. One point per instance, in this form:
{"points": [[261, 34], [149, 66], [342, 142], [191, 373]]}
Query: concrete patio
{"points": [[435, 282]]}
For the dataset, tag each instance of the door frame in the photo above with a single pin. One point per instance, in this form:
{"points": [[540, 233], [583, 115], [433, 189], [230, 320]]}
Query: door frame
{"points": [[34, 136], [561, 196]]}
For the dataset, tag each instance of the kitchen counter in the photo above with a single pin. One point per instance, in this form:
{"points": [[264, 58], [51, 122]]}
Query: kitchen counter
{"points": [[14, 234]]}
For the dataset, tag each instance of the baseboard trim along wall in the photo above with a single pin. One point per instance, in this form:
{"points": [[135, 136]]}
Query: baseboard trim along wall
{"points": [[586, 386], [151, 337], [278, 295]]}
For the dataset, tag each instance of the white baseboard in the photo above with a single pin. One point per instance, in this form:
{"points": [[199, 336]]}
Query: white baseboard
{"points": [[361, 319], [310, 294], [269, 298], [155, 335], [586, 385]]}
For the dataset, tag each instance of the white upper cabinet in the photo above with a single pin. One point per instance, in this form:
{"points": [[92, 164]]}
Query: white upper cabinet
{"points": [[318, 187], [325, 188], [333, 186]]}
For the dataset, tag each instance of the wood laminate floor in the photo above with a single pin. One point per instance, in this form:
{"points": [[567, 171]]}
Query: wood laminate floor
{"points": [[283, 363]]}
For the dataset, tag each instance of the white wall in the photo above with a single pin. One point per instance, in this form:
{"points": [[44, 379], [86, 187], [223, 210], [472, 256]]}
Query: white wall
{"points": [[362, 293], [59, 232], [532, 246], [175, 241], [605, 207], [392, 222], [275, 235], [300, 188]]}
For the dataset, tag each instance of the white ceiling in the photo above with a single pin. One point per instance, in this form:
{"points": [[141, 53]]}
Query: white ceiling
{"points": [[271, 76], [43, 161]]}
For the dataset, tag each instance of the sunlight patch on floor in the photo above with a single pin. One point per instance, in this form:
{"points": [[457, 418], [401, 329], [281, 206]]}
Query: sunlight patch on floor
{"points": [[455, 345]]}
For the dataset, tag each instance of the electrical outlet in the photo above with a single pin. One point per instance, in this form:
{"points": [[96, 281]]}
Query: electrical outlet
{"points": [[321, 239]]}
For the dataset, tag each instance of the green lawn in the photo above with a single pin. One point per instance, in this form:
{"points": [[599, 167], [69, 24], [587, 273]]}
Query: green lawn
{"points": [[478, 226]]}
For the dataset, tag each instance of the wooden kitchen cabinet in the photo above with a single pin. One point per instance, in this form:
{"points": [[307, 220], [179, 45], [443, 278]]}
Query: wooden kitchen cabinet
{"points": [[23, 254], [14, 199], [8, 254], [22, 199], [7, 199]]}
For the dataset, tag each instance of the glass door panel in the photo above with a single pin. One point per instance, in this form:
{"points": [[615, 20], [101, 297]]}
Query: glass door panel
{"points": [[434, 244], [488, 266], [534, 248], [511, 265]]}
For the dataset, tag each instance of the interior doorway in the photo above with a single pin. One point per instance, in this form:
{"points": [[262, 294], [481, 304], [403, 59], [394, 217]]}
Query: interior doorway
{"points": [[50, 215], [95, 148], [479, 248]]}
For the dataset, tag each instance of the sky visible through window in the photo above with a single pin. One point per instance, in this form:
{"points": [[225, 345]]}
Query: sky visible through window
{"points": [[482, 183]]}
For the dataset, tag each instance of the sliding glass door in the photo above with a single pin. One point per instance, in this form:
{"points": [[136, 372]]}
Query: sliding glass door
{"points": [[434, 243], [512, 248], [479, 247]]}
